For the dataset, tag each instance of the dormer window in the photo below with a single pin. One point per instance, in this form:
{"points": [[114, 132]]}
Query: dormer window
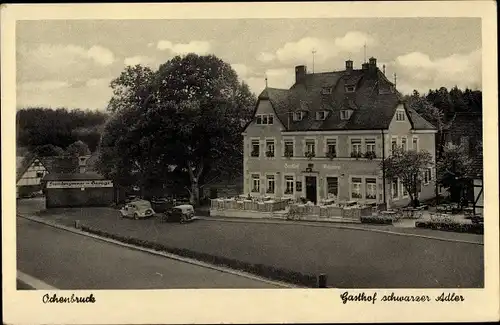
{"points": [[326, 90], [345, 114], [321, 115], [400, 115], [298, 116], [350, 89], [264, 119]]}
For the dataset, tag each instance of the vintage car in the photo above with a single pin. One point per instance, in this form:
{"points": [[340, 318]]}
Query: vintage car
{"points": [[137, 209], [180, 213]]}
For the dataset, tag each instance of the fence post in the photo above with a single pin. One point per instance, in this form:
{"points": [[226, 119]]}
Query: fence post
{"points": [[322, 280], [77, 224]]}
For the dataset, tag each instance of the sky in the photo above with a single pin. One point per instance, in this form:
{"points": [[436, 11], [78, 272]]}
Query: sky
{"points": [[70, 63]]}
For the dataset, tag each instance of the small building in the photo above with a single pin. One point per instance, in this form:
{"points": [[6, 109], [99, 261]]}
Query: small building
{"points": [[77, 190], [32, 169], [325, 138]]}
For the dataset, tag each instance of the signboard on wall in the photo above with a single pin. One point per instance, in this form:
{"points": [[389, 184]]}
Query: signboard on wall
{"points": [[79, 184]]}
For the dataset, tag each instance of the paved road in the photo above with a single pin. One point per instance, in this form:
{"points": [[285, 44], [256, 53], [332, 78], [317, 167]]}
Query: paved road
{"points": [[70, 261]]}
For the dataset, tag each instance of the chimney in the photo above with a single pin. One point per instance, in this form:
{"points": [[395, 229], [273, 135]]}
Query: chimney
{"points": [[372, 67], [364, 66], [300, 73], [373, 62], [348, 65]]}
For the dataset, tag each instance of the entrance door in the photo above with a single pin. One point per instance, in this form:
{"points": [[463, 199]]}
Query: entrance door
{"points": [[311, 189]]}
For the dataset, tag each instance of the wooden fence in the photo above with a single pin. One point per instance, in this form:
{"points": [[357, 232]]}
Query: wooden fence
{"points": [[248, 205]]}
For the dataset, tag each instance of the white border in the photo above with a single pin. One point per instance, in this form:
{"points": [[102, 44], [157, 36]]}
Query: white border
{"points": [[253, 306]]}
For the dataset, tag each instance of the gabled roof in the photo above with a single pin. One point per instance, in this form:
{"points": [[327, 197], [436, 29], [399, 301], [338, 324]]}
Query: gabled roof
{"points": [[22, 165], [60, 164], [373, 103]]}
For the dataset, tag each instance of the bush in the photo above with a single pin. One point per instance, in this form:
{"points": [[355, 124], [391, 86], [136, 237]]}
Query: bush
{"points": [[265, 271], [471, 228], [376, 220]]}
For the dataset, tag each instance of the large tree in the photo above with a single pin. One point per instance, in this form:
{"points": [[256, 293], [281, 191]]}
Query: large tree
{"points": [[188, 114], [408, 166], [77, 149]]}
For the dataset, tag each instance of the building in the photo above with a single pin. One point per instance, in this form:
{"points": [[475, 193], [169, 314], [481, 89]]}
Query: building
{"points": [[325, 138], [32, 169], [77, 190]]}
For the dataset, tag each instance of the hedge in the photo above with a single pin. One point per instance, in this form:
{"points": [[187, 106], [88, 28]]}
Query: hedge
{"points": [[266, 271], [376, 220], [472, 228]]}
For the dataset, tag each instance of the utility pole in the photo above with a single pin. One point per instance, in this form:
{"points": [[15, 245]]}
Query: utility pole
{"points": [[266, 80], [313, 52], [395, 79]]}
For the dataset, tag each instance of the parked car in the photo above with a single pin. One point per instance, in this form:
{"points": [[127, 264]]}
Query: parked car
{"points": [[181, 213], [137, 209]]}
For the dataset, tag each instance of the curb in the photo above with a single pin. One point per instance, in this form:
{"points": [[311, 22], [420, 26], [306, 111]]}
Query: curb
{"points": [[333, 225], [163, 254]]}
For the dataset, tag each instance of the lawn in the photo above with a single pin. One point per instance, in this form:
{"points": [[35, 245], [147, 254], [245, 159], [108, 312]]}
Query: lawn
{"points": [[351, 258]]}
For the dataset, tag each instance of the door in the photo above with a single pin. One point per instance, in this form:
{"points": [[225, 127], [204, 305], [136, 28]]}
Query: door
{"points": [[311, 189]]}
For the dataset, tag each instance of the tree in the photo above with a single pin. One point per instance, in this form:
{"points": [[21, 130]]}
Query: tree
{"points": [[206, 107], [48, 150], [433, 115], [188, 114], [453, 169], [77, 149], [408, 166]]}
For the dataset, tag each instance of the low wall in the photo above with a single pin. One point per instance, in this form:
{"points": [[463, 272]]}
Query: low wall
{"points": [[240, 214], [328, 211], [248, 205]]}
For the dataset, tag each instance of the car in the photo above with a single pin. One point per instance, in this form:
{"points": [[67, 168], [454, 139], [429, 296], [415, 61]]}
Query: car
{"points": [[181, 213], [138, 209]]}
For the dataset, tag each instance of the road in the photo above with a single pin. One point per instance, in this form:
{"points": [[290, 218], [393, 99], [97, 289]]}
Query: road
{"points": [[66, 260]]}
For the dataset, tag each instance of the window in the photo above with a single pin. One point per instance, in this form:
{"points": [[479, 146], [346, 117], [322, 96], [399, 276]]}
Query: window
{"points": [[427, 176], [255, 148], [321, 115], [331, 148], [264, 119], [355, 147], [326, 90], [370, 145], [394, 144], [395, 188], [349, 89], [403, 144], [345, 115], [289, 184], [400, 115], [288, 148], [36, 163], [39, 174], [269, 148], [270, 184], [332, 186], [311, 147], [256, 183], [415, 143], [371, 188], [356, 188], [298, 186], [298, 116]]}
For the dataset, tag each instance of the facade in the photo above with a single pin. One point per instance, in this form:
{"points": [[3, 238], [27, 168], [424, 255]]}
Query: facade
{"points": [[77, 190], [325, 138]]}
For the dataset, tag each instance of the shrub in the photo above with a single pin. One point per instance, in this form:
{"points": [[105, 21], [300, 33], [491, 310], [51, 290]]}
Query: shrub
{"points": [[310, 155], [376, 220], [470, 228]]}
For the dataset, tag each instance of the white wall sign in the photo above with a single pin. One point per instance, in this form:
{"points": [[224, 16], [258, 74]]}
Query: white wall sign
{"points": [[79, 184], [325, 166], [292, 166]]}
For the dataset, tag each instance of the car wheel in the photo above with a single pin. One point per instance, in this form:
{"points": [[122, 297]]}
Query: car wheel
{"points": [[136, 216]]}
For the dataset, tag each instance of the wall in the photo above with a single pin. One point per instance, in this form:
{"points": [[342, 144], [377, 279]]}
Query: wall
{"points": [[75, 197], [477, 190]]}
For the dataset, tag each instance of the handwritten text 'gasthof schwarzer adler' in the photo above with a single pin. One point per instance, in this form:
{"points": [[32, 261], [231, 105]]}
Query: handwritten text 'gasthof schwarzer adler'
{"points": [[372, 298]]}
